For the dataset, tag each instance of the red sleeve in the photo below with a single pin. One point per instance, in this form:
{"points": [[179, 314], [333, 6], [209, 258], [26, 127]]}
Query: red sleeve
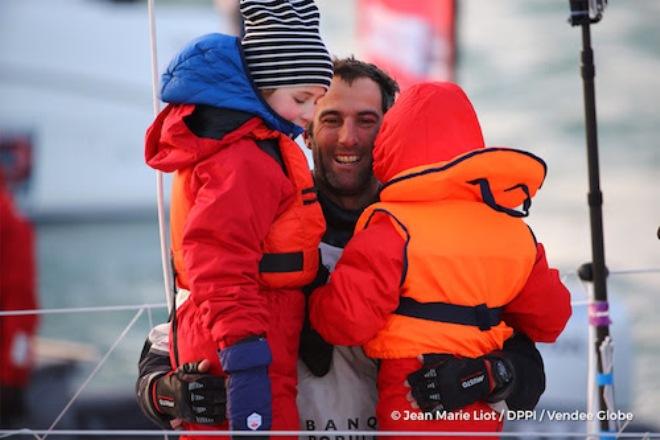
{"points": [[238, 193], [541, 310], [363, 290], [17, 292]]}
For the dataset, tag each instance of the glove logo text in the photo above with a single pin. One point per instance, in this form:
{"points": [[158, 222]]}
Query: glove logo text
{"points": [[473, 381]]}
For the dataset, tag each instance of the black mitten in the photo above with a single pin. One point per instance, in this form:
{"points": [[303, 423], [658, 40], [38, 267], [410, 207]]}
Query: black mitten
{"points": [[315, 353]]}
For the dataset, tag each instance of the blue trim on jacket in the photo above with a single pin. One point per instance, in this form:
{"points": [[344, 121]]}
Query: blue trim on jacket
{"points": [[211, 70]]}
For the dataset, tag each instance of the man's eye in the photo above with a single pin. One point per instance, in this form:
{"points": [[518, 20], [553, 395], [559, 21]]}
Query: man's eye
{"points": [[330, 121], [366, 121]]}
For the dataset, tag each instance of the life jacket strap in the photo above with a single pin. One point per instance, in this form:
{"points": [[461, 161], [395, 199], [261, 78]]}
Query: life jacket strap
{"points": [[281, 262], [478, 316], [489, 199]]}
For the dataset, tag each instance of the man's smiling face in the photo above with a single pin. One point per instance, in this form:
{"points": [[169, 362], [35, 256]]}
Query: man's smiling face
{"points": [[345, 125]]}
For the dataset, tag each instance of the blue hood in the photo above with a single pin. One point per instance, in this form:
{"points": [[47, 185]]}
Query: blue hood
{"points": [[210, 70]]}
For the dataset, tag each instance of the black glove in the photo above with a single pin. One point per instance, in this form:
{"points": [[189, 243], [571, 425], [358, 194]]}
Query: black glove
{"points": [[315, 353], [448, 383], [528, 369], [191, 396]]}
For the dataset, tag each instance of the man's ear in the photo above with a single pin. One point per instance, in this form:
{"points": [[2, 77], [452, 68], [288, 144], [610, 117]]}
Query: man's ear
{"points": [[307, 137]]}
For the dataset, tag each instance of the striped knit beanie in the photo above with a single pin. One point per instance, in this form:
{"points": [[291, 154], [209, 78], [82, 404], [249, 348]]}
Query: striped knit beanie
{"points": [[282, 44]]}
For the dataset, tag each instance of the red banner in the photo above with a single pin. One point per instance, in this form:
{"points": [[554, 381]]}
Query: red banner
{"points": [[413, 41]]}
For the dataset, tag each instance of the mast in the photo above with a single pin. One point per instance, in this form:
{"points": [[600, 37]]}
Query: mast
{"points": [[595, 271]]}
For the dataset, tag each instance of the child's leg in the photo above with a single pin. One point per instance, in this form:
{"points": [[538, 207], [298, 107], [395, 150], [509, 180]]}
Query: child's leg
{"points": [[194, 343], [286, 317], [286, 311], [395, 412]]}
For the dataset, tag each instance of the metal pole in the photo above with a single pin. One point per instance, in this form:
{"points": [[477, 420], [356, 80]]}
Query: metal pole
{"points": [[580, 17]]}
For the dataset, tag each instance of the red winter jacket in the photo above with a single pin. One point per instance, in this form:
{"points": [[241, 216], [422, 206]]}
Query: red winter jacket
{"points": [[230, 196]]}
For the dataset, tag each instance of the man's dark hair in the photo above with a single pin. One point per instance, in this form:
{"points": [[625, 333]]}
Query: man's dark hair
{"points": [[349, 69]]}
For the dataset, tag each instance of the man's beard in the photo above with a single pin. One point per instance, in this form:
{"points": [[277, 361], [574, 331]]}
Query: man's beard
{"points": [[338, 186]]}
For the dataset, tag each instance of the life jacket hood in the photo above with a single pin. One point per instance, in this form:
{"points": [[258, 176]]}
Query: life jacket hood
{"points": [[430, 148], [429, 123]]}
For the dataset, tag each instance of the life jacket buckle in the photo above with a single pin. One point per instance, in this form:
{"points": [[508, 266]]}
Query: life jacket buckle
{"points": [[483, 317]]}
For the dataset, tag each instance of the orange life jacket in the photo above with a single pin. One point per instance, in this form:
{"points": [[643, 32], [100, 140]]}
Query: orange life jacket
{"points": [[466, 248], [290, 250]]}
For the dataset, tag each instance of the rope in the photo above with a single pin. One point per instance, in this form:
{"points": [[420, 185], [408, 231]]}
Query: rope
{"points": [[167, 276], [150, 317], [648, 270], [24, 431], [93, 373], [635, 271], [154, 57], [607, 379], [81, 309], [156, 433], [641, 403], [148, 307]]}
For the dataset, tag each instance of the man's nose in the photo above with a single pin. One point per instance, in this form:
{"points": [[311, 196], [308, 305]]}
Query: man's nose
{"points": [[348, 134]]}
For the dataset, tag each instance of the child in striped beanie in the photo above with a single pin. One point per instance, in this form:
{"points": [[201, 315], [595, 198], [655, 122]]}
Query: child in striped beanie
{"points": [[245, 222], [282, 45]]}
